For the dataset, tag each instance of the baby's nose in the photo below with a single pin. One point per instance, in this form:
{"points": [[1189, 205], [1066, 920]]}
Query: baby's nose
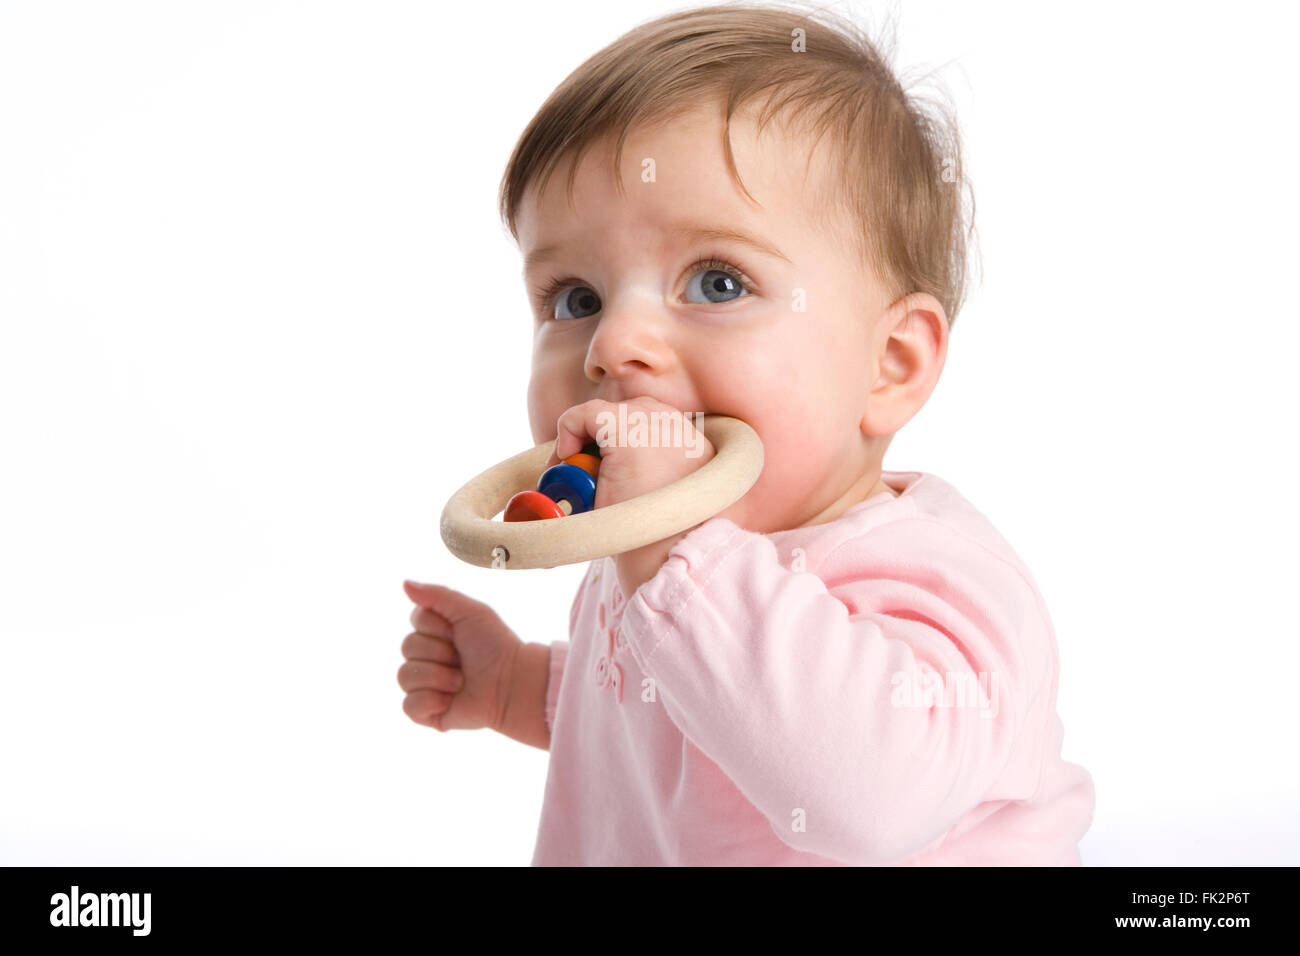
{"points": [[627, 345]]}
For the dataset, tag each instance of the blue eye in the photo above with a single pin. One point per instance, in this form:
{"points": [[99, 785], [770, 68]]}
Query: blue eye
{"points": [[718, 282], [579, 298]]}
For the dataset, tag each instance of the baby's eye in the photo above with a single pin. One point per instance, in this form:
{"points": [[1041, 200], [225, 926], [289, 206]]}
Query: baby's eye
{"points": [[579, 298], [717, 282], [713, 281]]}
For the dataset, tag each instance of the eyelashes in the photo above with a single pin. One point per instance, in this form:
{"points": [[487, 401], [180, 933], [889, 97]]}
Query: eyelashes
{"points": [[544, 293]]}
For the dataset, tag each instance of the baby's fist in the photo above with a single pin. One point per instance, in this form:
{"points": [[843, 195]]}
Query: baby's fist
{"points": [[660, 445]]}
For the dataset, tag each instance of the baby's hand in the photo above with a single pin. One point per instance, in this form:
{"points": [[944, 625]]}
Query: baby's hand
{"points": [[457, 673], [627, 471]]}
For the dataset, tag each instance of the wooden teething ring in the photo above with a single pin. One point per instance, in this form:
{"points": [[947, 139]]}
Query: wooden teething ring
{"points": [[470, 533]]}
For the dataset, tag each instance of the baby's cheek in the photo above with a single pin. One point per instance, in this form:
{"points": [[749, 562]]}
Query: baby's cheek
{"points": [[791, 473]]}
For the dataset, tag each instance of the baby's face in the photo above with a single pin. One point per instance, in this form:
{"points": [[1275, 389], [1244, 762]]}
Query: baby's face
{"points": [[656, 301]]}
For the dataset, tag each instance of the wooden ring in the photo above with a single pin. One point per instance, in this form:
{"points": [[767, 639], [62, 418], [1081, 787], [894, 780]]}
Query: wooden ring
{"points": [[470, 533]]}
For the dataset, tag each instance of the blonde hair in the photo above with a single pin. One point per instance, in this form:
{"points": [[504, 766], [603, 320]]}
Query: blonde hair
{"points": [[903, 179]]}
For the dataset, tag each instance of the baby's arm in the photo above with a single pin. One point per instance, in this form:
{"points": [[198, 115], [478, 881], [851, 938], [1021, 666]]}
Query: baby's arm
{"points": [[525, 713], [534, 687], [793, 692]]}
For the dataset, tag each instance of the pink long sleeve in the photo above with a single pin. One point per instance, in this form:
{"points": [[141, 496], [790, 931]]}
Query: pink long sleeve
{"points": [[555, 675], [769, 677], [559, 653]]}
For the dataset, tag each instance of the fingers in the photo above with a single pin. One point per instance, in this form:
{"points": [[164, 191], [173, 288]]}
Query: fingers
{"points": [[425, 621], [422, 647], [426, 707], [577, 426], [583, 423], [449, 604], [428, 676]]}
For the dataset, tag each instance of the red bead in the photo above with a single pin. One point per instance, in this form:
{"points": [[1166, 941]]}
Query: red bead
{"points": [[531, 506]]}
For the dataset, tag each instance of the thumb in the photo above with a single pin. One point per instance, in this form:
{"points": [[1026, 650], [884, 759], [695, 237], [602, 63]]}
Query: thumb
{"points": [[449, 604]]}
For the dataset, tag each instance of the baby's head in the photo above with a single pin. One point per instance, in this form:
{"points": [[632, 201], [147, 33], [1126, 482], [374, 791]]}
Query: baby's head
{"points": [[738, 210]]}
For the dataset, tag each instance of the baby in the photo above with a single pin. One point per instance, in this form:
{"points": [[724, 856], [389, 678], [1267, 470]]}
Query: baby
{"points": [[737, 210]]}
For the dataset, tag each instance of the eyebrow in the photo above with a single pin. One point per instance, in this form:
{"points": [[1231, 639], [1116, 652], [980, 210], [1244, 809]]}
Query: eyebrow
{"points": [[685, 231]]}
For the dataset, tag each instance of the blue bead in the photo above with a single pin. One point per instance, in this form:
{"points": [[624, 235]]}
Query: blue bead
{"points": [[560, 482]]}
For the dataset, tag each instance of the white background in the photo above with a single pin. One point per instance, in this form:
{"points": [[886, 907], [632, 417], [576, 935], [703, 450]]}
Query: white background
{"points": [[258, 320]]}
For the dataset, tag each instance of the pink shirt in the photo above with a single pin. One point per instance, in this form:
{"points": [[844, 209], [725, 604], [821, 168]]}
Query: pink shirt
{"points": [[876, 690]]}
